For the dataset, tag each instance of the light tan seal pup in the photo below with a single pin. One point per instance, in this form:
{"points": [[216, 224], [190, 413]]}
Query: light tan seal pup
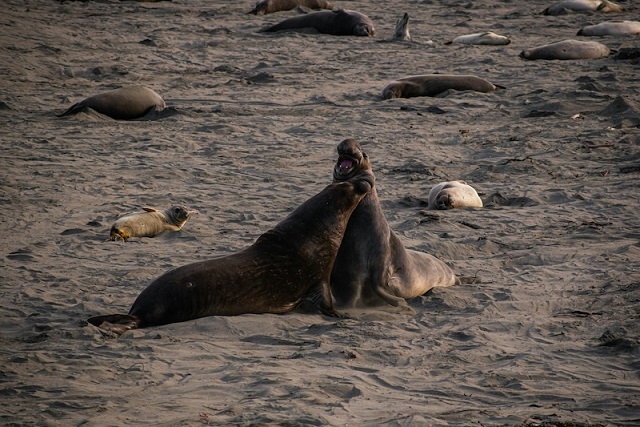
{"points": [[434, 84], [264, 7], [126, 103], [611, 28], [566, 50], [286, 266], [149, 223], [488, 38], [452, 195], [567, 6], [372, 266], [337, 22]]}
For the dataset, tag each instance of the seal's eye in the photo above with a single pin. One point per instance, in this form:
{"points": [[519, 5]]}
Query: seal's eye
{"points": [[346, 163]]}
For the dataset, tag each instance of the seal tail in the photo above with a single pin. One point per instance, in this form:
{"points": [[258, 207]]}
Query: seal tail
{"points": [[117, 323], [74, 109]]}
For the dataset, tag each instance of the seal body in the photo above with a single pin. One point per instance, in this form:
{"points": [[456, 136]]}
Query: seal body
{"points": [[567, 6], [149, 223], [488, 38], [337, 22], [567, 49], [264, 7], [125, 103], [611, 28], [372, 266], [285, 266], [453, 194], [434, 84]]}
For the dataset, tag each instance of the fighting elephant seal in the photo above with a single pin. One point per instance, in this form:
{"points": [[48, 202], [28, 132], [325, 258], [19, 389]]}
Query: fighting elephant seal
{"points": [[567, 6], [434, 84], [611, 28], [337, 22], [487, 38], [372, 265], [271, 6], [287, 265], [149, 223], [567, 49], [125, 103], [453, 194]]}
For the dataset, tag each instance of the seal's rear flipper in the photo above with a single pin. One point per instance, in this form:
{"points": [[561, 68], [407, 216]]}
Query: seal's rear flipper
{"points": [[117, 323], [74, 109]]}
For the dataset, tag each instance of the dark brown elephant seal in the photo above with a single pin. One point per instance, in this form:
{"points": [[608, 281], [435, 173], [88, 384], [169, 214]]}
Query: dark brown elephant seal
{"points": [[372, 265], [126, 103], [149, 223], [337, 22], [566, 50], [287, 265], [434, 84], [264, 7]]}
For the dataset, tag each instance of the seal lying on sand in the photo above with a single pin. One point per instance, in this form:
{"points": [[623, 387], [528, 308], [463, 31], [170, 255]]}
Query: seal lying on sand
{"points": [[567, 6], [287, 265], [149, 223], [453, 194], [434, 84], [611, 28], [488, 38], [337, 22], [126, 103], [567, 49], [271, 6], [372, 265]]}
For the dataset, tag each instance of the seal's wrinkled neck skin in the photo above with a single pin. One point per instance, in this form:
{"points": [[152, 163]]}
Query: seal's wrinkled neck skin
{"points": [[351, 160]]}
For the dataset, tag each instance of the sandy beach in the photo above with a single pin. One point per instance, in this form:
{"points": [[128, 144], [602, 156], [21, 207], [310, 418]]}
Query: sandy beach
{"points": [[548, 333]]}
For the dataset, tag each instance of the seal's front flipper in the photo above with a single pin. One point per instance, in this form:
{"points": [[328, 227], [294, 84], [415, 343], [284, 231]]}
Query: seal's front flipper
{"points": [[117, 323]]}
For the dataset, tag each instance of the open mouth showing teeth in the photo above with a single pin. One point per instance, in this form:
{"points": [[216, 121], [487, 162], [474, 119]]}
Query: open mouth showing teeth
{"points": [[346, 163]]}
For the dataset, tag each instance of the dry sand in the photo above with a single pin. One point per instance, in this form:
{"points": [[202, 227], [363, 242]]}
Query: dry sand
{"points": [[548, 335]]}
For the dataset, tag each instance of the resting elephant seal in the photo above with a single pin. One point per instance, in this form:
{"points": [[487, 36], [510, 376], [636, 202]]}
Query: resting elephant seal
{"points": [[271, 6], [488, 38], [149, 223], [453, 194], [566, 6], [567, 49], [126, 103], [372, 265], [287, 265], [337, 22], [611, 28], [434, 84]]}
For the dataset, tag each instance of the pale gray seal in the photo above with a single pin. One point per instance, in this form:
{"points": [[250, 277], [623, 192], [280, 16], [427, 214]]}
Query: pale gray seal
{"points": [[434, 84], [337, 22], [567, 6], [125, 103], [271, 6], [611, 28], [487, 38], [372, 265], [567, 49], [286, 266], [453, 194], [149, 223]]}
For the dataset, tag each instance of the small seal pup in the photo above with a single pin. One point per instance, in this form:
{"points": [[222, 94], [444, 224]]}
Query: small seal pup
{"points": [[434, 84], [337, 22], [372, 265], [125, 103], [611, 28], [453, 194], [264, 7], [567, 49], [149, 223], [287, 265], [567, 6], [488, 38]]}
